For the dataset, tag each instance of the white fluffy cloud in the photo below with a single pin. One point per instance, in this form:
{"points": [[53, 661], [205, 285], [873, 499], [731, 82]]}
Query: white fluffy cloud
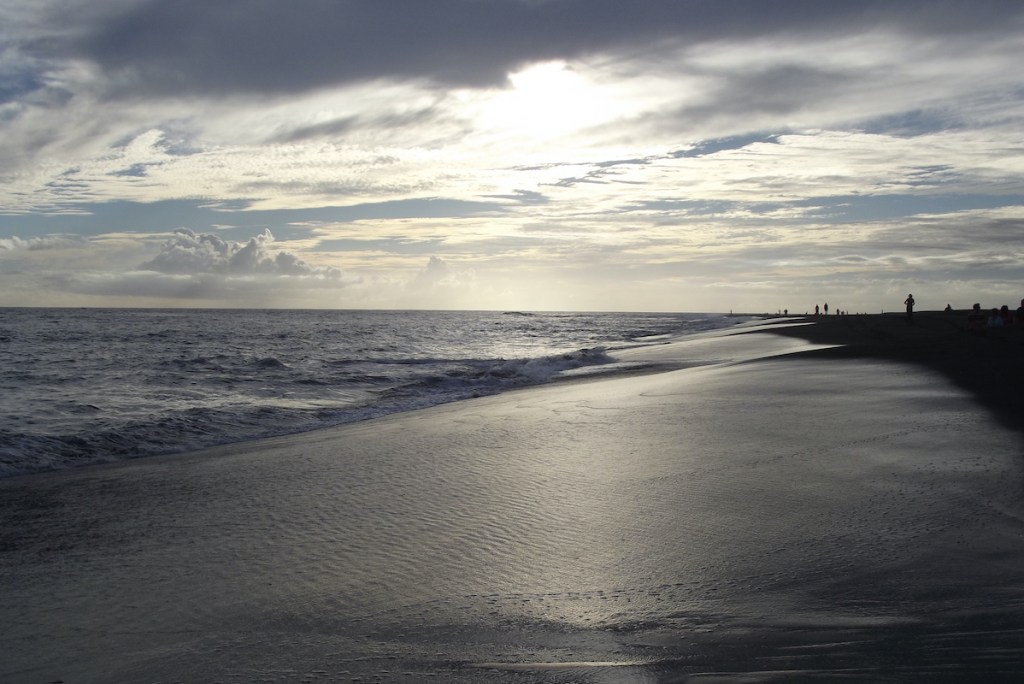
{"points": [[434, 272], [16, 243], [188, 252]]}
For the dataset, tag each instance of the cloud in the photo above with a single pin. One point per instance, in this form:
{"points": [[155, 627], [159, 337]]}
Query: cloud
{"points": [[346, 125], [536, 147], [782, 89], [191, 253], [438, 275], [13, 244], [434, 272], [190, 267], [263, 46]]}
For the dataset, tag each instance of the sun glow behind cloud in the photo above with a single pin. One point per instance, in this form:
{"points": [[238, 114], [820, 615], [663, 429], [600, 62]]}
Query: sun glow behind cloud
{"points": [[548, 101], [647, 153]]}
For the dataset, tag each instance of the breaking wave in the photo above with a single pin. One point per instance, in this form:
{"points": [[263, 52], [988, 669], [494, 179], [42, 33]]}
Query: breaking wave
{"points": [[98, 386]]}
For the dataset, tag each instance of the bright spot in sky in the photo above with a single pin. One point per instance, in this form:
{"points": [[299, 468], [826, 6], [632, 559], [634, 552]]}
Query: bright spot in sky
{"points": [[546, 100]]}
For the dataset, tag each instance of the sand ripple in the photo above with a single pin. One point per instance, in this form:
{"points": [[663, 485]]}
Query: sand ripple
{"points": [[669, 524]]}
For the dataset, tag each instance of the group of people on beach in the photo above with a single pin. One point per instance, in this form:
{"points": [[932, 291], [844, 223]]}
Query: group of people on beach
{"points": [[997, 318], [976, 320], [817, 310]]}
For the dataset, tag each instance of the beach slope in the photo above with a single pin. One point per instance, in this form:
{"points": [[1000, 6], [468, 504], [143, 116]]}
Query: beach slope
{"points": [[771, 508]]}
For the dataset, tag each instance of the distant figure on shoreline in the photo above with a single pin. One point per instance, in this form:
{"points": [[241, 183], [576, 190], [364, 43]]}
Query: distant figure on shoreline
{"points": [[826, 308], [975, 319], [909, 301], [817, 310]]}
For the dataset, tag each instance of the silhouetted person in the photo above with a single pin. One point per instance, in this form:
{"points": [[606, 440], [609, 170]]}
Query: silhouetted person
{"points": [[826, 308], [994, 319], [817, 310], [1020, 313], [975, 319], [909, 301]]}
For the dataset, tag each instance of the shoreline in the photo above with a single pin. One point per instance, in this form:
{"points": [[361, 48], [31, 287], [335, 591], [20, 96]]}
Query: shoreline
{"points": [[638, 360], [788, 512], [985, 363]]}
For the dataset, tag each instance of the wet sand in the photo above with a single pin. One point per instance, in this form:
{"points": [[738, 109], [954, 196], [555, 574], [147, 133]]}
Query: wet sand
{"points": [[850, 512]]}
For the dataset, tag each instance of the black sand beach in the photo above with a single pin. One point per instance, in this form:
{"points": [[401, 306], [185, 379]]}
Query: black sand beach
{"points": [[792, 512], [988, 363]]}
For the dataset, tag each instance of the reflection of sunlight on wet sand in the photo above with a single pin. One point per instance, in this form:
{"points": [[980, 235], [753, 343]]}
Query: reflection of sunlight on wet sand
{"points": [[554, 666], [619, 670]]}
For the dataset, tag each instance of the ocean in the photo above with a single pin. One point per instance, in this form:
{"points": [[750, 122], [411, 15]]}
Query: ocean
{"points": [[87, 386]]}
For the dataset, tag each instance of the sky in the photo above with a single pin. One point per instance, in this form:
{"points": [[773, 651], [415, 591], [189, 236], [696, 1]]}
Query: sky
{"points": [[650, 155]]}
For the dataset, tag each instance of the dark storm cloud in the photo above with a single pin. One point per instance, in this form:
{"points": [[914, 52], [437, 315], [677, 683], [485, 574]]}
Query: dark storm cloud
{"points": [[252, 46]]}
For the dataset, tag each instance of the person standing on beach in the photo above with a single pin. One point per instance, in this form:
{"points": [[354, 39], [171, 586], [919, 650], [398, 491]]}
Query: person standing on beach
{"points": [[909, 301], [1004, 313], [826, 308], [817, 309], [975, 319]]}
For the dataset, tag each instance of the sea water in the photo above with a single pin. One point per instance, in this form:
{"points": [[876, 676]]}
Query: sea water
{"points": [[84, 386]]}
